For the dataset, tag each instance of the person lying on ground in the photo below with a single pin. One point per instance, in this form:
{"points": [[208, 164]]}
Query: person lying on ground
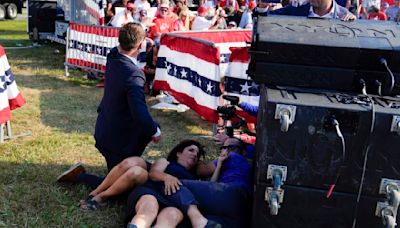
{"points": [[124, 177], [150, 201], [225, 202]]}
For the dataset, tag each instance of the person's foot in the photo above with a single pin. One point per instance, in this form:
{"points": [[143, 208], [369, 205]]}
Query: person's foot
{"points": [[72, 174]]}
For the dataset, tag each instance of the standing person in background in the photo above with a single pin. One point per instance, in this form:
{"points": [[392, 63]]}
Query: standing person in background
{"points": [[200, 22], [183, 21], [376, 14], [393, 12], [220, 22], [366, 7], [141, 5], [124, 126], [246, 21], [316, 9], [124, 17], [162, 23]]}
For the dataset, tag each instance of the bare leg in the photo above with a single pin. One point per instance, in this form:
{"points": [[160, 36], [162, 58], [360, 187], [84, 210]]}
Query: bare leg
{"points": [[169, 217], [118, 171], [196, 218], [133, 176], [146, 211]]}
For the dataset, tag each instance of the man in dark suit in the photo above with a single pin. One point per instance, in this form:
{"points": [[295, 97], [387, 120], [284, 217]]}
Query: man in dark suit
{"points": [[315, 9], [124, 126]]}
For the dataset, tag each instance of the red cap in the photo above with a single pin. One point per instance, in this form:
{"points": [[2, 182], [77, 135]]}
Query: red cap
{"points": [[252, 5], [202, 10]]}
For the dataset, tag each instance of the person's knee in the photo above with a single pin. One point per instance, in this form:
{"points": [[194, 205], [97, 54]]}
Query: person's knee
{"points": [[137, 174], [174, 214], [147, 204], [169, 217], [132, 162]]}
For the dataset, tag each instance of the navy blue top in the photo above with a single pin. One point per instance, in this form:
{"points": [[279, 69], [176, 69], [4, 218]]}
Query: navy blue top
{"points": [[177, 170], [236, 170]]}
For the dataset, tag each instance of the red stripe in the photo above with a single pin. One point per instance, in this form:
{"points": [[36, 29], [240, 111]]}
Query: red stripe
{"points": [[239, 54], [185, 45], [83, 63], [2, 52], [249, 118], [205, 112], [224, 36], [102, 31], [92, 11], [5, 115], [16, 102]]}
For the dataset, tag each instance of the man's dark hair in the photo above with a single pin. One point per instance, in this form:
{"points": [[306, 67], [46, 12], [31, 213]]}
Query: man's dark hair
{"points": [[130, 36], [181, 146]]}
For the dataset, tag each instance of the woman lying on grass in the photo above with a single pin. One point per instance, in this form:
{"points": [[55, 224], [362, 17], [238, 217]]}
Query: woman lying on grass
{"points": [[174, 185]]}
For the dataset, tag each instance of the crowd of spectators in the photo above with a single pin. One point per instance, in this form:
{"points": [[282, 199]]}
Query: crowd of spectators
{"points": [[159, 16]]}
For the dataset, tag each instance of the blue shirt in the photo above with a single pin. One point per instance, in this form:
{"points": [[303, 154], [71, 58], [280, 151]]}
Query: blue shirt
{"points": [[236, 170]]}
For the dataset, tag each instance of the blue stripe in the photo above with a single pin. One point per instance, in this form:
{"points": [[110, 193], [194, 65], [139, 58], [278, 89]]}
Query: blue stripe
{"points": [[236, 85], [6, 80], [208, 86], [89, 48], [142, 57]]}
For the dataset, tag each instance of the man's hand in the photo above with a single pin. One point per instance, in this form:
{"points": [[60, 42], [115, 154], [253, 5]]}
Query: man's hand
{"points": [[171, 185], [222, 157], [156, 139], [349, 17]]}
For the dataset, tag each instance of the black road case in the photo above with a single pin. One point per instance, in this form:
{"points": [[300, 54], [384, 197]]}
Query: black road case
{"points": [[328, 54], [296, 135]]}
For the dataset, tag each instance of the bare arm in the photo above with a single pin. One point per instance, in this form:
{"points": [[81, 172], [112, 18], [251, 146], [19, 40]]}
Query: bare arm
{"points": [[222, 157], [157, 174]]}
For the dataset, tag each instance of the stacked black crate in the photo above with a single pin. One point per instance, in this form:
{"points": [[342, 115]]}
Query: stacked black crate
{"points": [[328, 131]]}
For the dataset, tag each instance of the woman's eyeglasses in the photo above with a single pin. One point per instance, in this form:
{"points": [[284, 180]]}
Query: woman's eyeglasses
{"points": [[230, 147]]}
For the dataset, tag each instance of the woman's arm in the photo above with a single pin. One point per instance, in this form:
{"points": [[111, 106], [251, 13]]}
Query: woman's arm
{"points": [[157, 174], [222, 157]]}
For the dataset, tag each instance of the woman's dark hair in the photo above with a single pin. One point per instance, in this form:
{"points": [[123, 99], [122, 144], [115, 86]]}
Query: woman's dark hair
{"points": [[172, 156]]}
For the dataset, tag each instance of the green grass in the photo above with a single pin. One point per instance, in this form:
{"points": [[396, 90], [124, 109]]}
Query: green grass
{"points": [[13, 33], [61, 113]]}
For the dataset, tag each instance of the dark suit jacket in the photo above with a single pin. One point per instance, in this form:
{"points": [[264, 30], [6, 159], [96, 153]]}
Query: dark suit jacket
{"points": [[124, 125]]}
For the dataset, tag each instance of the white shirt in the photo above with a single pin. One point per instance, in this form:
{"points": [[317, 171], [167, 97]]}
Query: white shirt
{"points": [[330, 14], [140, 5], [122, 18], [368, 3], [201, 23]]}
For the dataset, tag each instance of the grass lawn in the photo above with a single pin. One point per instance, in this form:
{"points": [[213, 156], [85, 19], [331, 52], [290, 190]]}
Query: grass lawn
{"points": [[60, 113]]}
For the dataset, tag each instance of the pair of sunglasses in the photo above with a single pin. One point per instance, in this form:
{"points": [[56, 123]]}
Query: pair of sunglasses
{"points": [[230, 147]]}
